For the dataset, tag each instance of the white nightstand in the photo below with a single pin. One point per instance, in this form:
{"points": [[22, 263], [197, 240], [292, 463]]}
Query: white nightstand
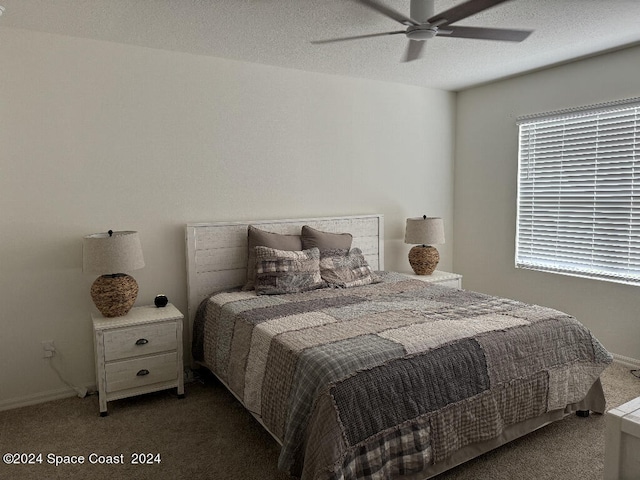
{"points": [[140, 352], [442, 278], [622, 441]]}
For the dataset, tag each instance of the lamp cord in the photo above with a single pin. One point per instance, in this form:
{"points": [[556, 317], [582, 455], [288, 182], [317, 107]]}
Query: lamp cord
{"points": [[81, 391]]}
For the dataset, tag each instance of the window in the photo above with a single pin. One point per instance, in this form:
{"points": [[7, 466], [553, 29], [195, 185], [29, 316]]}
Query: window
{"points": [[579, 192]]}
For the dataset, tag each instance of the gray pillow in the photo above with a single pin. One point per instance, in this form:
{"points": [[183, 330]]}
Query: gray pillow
{"points": [[324, 240], [281, 271], [346, 268], [257, 237]]}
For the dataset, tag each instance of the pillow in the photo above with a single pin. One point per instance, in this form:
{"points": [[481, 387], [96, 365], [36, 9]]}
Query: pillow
{"points": [[267, 239], [324, 240], [346, 268], [281, 271]]}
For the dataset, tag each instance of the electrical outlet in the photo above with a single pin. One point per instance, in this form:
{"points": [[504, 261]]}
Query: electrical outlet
{"points": [[48, 349]]}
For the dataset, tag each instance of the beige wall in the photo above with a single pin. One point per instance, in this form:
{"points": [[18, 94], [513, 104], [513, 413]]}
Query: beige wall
{"points": [[95, 135], [486, 187]]}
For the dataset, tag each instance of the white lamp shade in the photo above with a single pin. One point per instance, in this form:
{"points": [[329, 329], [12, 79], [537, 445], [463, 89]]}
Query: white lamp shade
{"points": [[424, 231], [106, 254]]}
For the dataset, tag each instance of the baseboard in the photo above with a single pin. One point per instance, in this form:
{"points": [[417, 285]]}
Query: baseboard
{"points": [[37, 398], [626, 361]]}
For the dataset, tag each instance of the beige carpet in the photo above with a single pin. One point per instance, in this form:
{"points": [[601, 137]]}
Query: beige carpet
{"points": [[208, 435]]}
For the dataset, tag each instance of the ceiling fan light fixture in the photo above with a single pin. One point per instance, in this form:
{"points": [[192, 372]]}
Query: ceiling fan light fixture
{"points": [[421, 32]]}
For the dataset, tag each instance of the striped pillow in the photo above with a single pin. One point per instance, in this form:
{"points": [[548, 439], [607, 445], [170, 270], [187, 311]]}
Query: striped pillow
{"points": [[256, 237], [346, 268], [281, 271]]}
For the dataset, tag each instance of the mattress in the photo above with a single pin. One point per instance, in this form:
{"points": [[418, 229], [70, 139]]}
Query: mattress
{"points": [[400, 379]]}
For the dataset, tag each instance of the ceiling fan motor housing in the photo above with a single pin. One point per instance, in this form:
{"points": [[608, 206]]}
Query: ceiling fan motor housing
{"points": [[421, 10]]}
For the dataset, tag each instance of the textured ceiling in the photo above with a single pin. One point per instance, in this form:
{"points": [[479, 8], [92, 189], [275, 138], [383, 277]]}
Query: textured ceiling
{"points": [[279, 32]]}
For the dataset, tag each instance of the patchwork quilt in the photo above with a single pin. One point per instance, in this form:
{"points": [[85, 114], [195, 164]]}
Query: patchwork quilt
{"points": [[383, 380]]}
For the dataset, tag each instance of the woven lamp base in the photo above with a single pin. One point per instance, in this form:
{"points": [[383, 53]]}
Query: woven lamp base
{"points": [[423, 259], [114, 295]]}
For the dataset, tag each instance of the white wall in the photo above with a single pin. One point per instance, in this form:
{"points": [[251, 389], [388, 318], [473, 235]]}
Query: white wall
{"points": [[97, 136], [486, 163]]}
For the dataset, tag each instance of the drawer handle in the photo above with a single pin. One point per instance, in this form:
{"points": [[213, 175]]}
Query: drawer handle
{"points": [[142, 341], [142, 372]]}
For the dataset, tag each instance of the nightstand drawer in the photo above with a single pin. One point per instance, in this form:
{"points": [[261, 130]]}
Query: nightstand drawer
{"points": [[143, 340], [141, 371]]}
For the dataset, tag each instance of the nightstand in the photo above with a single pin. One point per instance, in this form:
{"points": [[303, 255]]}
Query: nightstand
{"points": [[622, 441], [138, 353], [442, 278]]}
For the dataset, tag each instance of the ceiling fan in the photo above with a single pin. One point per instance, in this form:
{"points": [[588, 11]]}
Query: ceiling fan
{"points": [[422, 24]]}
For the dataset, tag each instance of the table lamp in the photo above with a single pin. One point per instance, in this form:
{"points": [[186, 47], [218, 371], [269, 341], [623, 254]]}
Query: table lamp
{"points": [[423, 232], [109, 254]]}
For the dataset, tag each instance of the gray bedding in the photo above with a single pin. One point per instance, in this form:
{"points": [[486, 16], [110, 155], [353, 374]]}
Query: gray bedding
{"points": [[391, 379]]}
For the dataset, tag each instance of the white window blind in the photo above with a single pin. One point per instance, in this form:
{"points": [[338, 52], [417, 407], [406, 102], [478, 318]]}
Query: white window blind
{"points": [[579, 193]]}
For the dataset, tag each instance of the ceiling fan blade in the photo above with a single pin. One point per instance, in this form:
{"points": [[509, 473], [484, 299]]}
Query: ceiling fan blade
{"points": [[356, 37], [414, 50], [485, 33], [389, 12], [461, 11]]}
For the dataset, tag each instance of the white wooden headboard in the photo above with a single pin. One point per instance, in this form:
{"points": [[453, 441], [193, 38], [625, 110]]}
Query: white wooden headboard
{"points": [[217, 252]]}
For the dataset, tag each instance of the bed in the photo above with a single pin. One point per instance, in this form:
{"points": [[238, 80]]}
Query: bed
{"points": [[388, 378]]}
